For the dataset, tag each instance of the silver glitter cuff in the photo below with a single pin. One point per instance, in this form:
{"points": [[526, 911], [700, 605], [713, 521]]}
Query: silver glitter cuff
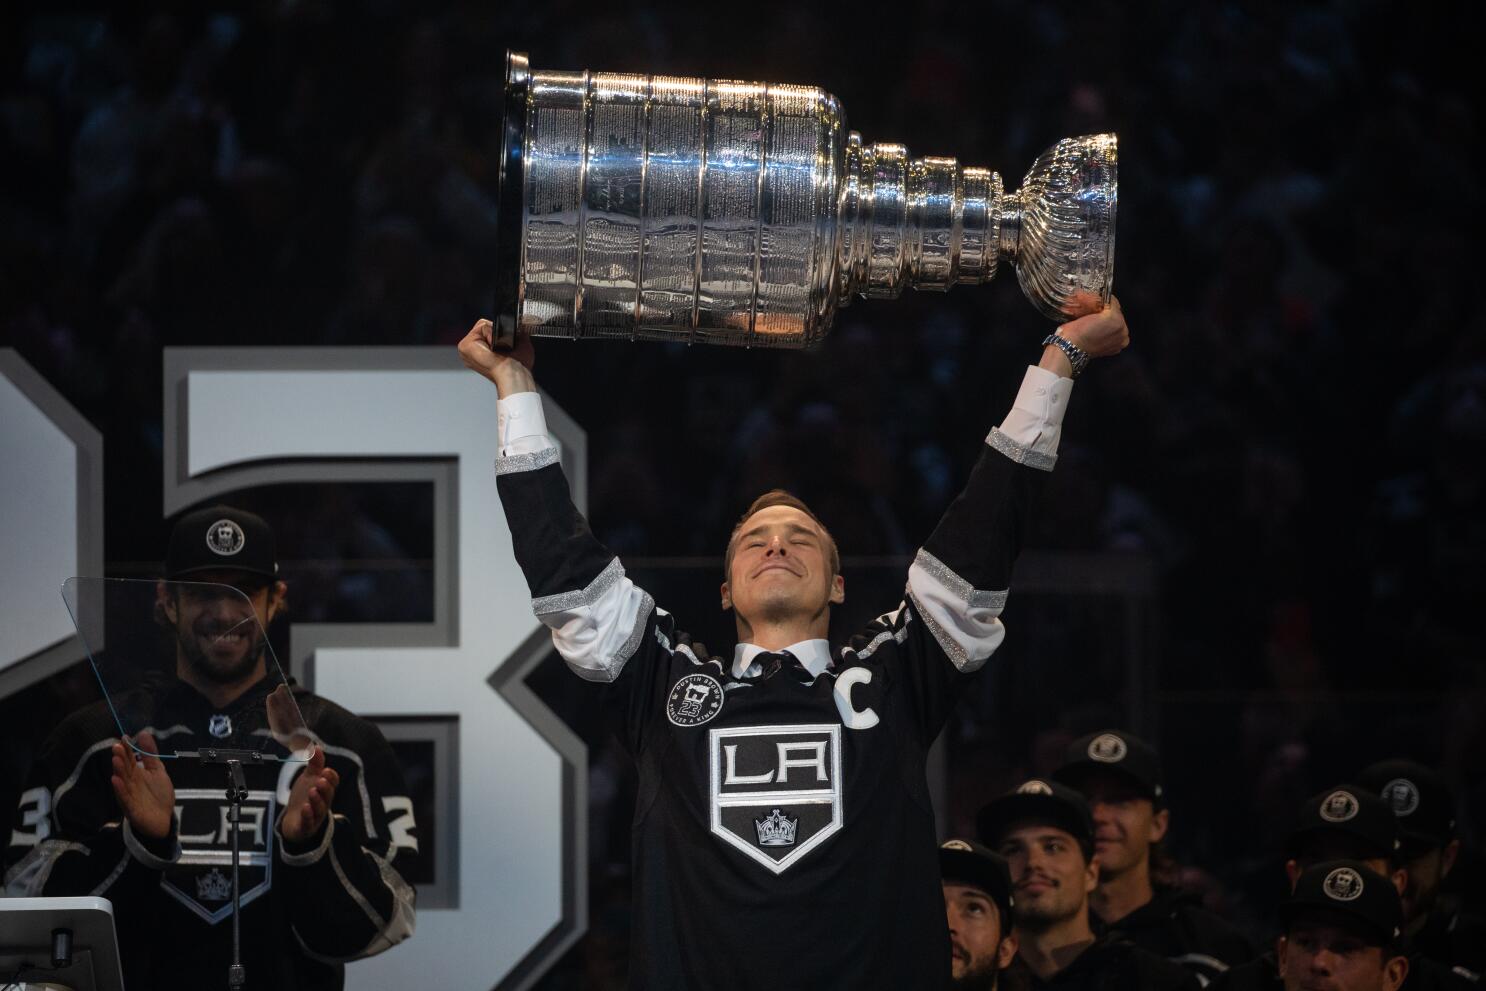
{"points": [[1021, 453], [526, 462], [587, 596], [959, 587]]}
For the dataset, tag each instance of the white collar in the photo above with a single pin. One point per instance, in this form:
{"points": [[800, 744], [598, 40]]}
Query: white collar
{"points": [[813, 655]]}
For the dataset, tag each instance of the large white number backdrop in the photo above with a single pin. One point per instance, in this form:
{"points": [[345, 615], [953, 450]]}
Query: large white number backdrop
{"points": [[238, 417]]}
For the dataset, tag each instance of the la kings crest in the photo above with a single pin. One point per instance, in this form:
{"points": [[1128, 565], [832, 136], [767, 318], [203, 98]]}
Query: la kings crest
{"points": [[776, 790], [202, 879]]}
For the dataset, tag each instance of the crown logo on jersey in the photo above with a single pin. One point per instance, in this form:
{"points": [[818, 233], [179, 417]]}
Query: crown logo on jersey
{"points": [[1339, 806], [776, 830], [213, 886]]}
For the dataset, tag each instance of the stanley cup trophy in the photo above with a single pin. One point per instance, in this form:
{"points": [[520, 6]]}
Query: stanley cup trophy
{"points": [[667, 208]]}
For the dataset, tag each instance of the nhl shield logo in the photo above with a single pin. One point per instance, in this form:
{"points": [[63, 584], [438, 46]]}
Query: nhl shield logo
{"points": [[776, 790], [201, 879], [219, 726], [1342, 884], [1403, 795], [1339, 806], [225, 537], [1107, 749]]}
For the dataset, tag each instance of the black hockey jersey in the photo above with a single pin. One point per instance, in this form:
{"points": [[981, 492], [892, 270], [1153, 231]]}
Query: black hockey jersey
{"points": [[1173, 925], [783, 834], [304, 910]]}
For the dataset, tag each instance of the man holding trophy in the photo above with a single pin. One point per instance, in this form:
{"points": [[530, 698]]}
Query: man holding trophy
{"points": [[783, 829]]}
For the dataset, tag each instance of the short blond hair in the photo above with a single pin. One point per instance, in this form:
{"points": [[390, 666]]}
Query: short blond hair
{"points": [[771, 498]]}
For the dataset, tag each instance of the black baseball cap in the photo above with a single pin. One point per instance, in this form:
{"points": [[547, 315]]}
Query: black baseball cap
{"points": [[968, 862], [1354, 815], [1113, 752], [1046, 802], [221, 538], [1351, 890], [1419, 798]]}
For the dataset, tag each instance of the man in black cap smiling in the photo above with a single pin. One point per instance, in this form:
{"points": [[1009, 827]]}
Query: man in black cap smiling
{"points": [[1044, 831], [1434, 926], [319, 836], [1120, 776], [978, 905], [1342, 926]]}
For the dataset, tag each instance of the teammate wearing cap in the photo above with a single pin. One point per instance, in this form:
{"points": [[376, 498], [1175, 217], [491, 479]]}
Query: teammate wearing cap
{"points": [[1434, 925], [320, 838], [1346, 822], [782, 785], [1044, 831], [1342, 926], [979, 907], [1120, 776]]}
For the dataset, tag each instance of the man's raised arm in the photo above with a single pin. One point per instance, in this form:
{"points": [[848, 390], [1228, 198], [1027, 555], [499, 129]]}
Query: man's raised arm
{"points": [[598, 617], [959, 581]]}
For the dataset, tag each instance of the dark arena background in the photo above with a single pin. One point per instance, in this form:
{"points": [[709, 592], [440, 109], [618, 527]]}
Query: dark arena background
{"points": [[1262, 548]]}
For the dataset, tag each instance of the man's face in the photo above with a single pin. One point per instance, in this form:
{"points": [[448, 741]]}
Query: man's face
{"points": [[978, 949], [781, 568], [1317, 956], [1425, 872], [1049, 876], [219, 622], [1126, 823]]}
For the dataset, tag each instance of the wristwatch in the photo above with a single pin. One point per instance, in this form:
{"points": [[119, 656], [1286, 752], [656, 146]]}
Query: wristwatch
{"points": [[1077, 356]]}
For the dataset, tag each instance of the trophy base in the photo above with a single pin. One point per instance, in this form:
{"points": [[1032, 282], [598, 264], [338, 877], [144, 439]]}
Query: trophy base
{"points": [[508, 220]]}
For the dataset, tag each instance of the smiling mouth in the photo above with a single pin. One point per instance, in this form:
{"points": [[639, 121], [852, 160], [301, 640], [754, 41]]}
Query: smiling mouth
{"points": [[774, 567]]}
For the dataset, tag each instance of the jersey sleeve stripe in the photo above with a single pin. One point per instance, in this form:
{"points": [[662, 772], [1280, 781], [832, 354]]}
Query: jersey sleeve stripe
{"points": [[964, 621], [598, 638], [579, 597]]}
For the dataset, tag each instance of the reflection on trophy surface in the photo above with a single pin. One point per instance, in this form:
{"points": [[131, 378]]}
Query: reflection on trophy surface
{"points": [[645, 207]]}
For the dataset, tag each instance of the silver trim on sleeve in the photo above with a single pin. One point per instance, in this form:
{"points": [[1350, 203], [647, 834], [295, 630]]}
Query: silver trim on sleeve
{"points": [[578, 598], [527, 462], [1020, 453], [973, 597]]}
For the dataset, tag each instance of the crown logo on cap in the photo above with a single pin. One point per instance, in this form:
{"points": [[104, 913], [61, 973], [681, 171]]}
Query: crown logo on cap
{"points": [[1035, 787], [1342, 884], [1403, 795], [1339, 806], [955, 845], [776, 829], [225, 537], [213, 886], [1107, 749]]}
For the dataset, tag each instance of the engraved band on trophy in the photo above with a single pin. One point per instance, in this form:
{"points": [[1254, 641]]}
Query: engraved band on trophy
{"points": [[684, 209]]}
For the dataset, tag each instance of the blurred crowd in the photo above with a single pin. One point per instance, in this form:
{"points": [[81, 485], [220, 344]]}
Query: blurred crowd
{"points": [[1296, 439]]}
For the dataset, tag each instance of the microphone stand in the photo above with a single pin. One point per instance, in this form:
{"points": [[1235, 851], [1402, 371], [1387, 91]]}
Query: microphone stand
{"points": [[237, 793]]}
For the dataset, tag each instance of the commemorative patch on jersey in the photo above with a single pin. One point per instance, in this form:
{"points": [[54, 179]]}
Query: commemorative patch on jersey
{"points": [[202, 879], [776, 790], [694, 700]]}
